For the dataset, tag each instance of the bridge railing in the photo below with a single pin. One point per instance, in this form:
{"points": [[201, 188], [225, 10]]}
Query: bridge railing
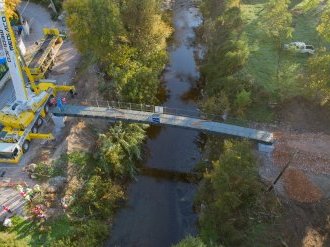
{"points": [[193, 113]]}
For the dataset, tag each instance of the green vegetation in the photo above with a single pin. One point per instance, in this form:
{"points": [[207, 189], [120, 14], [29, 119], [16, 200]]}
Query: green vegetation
{"points": [[280, 75], [61, 231], [234, 209], [190, 242], [120, 148], [318, 77], [94, 200], [3, 70], [246, 69], [277, 21], [43, 171], [229, 196], [227, 53], [127, 39]]}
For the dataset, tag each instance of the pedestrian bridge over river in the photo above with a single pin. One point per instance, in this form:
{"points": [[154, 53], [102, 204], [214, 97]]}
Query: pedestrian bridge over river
{"points": [[158, 115]]}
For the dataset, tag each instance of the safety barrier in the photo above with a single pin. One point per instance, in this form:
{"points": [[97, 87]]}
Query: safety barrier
{"points": [[167, 110]]}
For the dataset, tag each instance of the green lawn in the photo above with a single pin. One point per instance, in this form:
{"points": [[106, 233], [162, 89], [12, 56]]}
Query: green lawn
{"points": [[26, 232], [263, 60]]}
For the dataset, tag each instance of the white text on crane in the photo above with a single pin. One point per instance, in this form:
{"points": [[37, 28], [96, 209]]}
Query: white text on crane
{"points": [[6, 39]]}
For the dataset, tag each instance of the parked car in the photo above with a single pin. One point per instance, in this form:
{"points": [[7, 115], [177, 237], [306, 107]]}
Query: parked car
{"points": [[300, 47]]}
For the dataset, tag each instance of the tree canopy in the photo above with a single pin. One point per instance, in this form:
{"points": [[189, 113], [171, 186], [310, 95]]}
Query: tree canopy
{"points": [[277, 20], [120, 148], [227, 53], [128, 40]]}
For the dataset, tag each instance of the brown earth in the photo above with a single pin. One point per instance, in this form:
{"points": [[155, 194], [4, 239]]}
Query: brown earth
{"points": [[81, 134], [305, 116], [299, 187], [305, 132], [305, 144], [312, 151]]}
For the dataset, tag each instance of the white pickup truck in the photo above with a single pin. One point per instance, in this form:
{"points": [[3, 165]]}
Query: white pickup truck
{"points": [[300, 47]]}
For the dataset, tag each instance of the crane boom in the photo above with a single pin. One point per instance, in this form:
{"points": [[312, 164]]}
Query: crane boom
{"points": [[8, 42]]}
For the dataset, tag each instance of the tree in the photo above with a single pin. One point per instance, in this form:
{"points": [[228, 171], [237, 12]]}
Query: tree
{"points": [[99, 197], [229, 193], [146, 29], [324, 25], [318, 77], [217, 104], [95, 26], [242, 101], [227, 53], [128, 40], [277, 20], [120, 148]]}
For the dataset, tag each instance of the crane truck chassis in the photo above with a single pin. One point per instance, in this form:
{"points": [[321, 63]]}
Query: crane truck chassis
{"points": [[20, 120]]}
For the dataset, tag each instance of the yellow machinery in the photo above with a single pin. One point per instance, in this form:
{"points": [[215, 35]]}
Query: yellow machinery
{"points": [[14, 143], [43, 58], [20, 120]]}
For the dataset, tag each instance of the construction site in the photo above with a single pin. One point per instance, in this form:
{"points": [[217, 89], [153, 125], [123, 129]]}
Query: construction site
{"points": [[51, 106]]}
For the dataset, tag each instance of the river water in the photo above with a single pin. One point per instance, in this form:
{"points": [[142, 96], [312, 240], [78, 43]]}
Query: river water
{"points": [[159, 210]]}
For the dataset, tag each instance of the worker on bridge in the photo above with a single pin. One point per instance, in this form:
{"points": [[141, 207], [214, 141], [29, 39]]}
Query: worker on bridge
{"points": [[60, 104]]}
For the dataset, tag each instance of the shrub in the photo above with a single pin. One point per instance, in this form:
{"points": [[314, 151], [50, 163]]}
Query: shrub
{"points": [[229, 196], [190, 242], [46, 171]]}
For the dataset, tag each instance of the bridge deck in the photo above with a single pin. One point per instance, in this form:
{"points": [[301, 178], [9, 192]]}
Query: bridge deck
{"points": [[165, 119]]}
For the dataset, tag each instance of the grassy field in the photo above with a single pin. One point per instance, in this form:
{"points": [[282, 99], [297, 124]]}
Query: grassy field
{"points": [[26, 232], [277, 73]]}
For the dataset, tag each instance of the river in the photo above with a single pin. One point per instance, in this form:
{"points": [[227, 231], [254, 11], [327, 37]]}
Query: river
{"points": [[159, 210]]}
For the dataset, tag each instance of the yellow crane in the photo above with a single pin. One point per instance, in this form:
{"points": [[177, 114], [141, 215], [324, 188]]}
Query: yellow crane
{"points": [[21, 119]]}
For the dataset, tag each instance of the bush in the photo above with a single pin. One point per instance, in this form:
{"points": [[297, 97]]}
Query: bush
{"points": [[190, 242], [230, 196], [98, 198], [87, 233], [11, 240], [120, 148], [43, 171]]}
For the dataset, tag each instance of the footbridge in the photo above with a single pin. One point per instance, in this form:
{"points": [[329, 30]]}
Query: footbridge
{"points": [[158, 115]]}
